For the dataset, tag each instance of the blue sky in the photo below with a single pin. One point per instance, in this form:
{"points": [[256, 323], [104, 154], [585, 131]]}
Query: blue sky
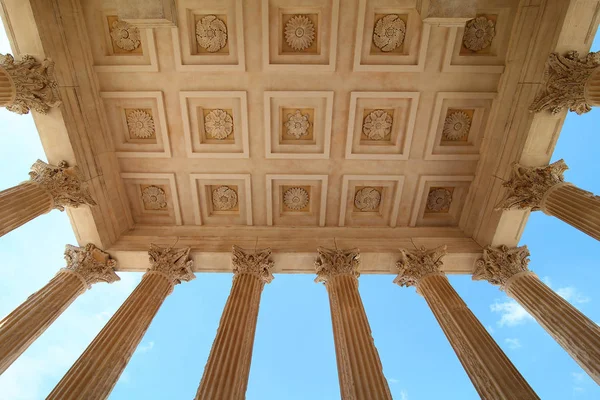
{"points": [[294, 352]]}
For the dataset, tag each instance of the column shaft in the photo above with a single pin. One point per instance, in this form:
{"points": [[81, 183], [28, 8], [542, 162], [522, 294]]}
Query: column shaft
{"points": [[492, 373], [22, 203], [20, 328], [97, 370], [7, 89], [228, 366], [359, 368], [576, 333], [576, 207]]}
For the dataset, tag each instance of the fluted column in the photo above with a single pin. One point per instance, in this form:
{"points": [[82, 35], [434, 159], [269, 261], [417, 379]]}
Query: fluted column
{"points": [[228, 366], [27, 84], [576, 333], [359, 368], [49, 187], [97, 370], [490, 371], [19, 329], [570, 82], [544, 188]]}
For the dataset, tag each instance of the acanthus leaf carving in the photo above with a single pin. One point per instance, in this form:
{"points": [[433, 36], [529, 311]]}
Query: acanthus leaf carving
{"points": [[257, 263], [528, 185], [91, 264], [414, 265], [172, 263], [34, 84], [330, 263], [500, 264], [64, 184], [565, 78]]}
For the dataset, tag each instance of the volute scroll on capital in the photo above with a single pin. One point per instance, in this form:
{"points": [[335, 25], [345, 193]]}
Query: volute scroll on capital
{"points": [[33, 84], [414, 265], [257, 263], [330, 263], [65, 184], [91, 263], [498, 265], [172, 263]]}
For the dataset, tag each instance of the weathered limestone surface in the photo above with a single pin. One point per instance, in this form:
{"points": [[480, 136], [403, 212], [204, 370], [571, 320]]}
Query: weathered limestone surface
{"points": [[20, 328], [544, 188], [490, 371], [576, 333], [95, 373], [228, 366], [359, 368], [50, 187]]}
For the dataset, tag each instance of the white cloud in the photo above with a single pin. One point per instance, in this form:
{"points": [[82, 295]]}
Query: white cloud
{"points": [[511, 313], [145, 347], [393, 380], [513, 343], [403, 395], [489, 329], [578, 376], [572, 295]]}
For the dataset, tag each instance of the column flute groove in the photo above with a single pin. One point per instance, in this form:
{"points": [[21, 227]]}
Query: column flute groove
{"points": [[489, 369], [96, 371], [20, 328], [360, 371], [228, 367], [577, 334]]}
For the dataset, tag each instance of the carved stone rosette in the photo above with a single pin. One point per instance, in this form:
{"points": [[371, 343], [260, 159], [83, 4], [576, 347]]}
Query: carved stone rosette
{"points": [[27, 84], [65, 184], [228, 366], [414, 265], [18, 330], [576, 333], [566, 83], [330, 263]]}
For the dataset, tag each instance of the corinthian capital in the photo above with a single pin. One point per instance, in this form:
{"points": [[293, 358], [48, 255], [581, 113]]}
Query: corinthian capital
{"points": [[256, 263], [173, 263], [528, 185], [416, 264], [65, 184], [499, 264], [91, 264], [330, 263], [564, 84], [33, 84]]}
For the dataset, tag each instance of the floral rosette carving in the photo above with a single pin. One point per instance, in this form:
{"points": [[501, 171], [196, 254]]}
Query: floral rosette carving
{"points": [[211, 33], [126, 37], [456, 126], [35, 87], [224, 198], [367, 199], [389, 33], [218, 124], [297, 124], [299, 32], [140, 124], [439, 200], [295, 198], [377, 125], [154, 198], [479, 33]]}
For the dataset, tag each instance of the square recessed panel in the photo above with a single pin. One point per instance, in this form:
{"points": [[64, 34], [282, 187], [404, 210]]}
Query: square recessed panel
{"points": [[209, 36], [390, 38], [299, 35], [298, 124], [296, 200], [381, 125], [215, 124], [481, 45], [370, 200], [222, 199], [458, 122], [153, 198], [123, 47], [440, 200], [138, 123]]}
